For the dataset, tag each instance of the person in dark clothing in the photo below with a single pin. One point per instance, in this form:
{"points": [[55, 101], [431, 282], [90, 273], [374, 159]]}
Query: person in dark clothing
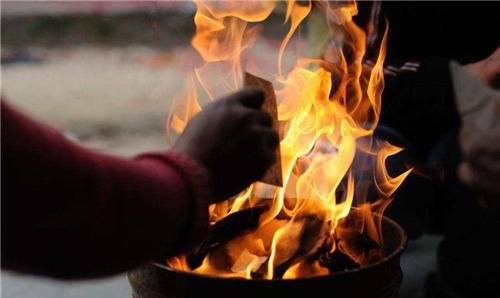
{"points": [[454, 190], [69, 212]]}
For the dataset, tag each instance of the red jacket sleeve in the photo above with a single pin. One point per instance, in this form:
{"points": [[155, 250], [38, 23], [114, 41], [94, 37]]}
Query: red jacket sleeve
{"points": [[70, 212]]}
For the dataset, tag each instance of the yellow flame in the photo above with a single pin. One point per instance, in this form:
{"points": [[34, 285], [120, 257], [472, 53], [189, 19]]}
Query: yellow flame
{"points": [[305, 268], [221, 36], [328, 110], [184, 108], [297, 13], [386, 184]]}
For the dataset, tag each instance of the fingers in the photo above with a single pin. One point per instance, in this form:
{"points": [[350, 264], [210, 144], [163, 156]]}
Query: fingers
{"points": [[252, 116], [481, 167], [479, 179], [271, 137], [235, 140], [260, 125], [267, 137], [248, 97], [263, 118], [482, 174], [480, 145], [247, 104]]}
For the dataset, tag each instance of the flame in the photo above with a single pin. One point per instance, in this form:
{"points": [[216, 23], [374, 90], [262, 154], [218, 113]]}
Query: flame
{"points": [[305, 268], [296, 14], [385, 183], [185, 106], [328, 109]]}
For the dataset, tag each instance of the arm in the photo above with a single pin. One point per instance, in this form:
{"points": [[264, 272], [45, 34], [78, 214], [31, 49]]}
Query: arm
{"points": [[477, 88], [67, 210], [70, 212]]}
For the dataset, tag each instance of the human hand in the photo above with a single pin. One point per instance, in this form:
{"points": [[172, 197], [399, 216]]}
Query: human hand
{"points": [[480, 168], [233, 139], [479, 106]]}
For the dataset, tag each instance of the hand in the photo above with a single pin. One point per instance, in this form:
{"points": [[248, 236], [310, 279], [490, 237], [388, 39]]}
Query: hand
{"points": [[480, 132], [480, 169], [233, 139]]}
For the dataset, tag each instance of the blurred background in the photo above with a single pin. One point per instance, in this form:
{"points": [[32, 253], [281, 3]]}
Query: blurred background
{"points": [[105, 73]]}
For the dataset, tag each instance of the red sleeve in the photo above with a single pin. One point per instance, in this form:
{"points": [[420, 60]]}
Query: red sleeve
{"points": [[70, 212]]}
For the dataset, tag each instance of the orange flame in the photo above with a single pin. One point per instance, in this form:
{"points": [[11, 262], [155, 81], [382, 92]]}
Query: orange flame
{"points": [[329, 110]]}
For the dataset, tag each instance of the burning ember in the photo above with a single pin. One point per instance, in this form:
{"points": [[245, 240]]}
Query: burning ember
{"points": [[324, 217]]}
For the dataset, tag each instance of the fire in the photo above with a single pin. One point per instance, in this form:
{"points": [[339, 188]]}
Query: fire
{"points": [[328, 109]]}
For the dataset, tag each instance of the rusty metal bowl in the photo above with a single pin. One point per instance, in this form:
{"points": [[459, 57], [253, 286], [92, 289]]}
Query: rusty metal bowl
{"points": [[380, 279]]}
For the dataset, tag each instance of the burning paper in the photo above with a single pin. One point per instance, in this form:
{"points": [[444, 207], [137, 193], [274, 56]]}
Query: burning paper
{"points": [[321, 201], [273, 175]]}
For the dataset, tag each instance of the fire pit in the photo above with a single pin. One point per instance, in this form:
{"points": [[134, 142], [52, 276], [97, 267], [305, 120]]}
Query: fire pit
{"points": [[314, 222], [380, 279]]}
